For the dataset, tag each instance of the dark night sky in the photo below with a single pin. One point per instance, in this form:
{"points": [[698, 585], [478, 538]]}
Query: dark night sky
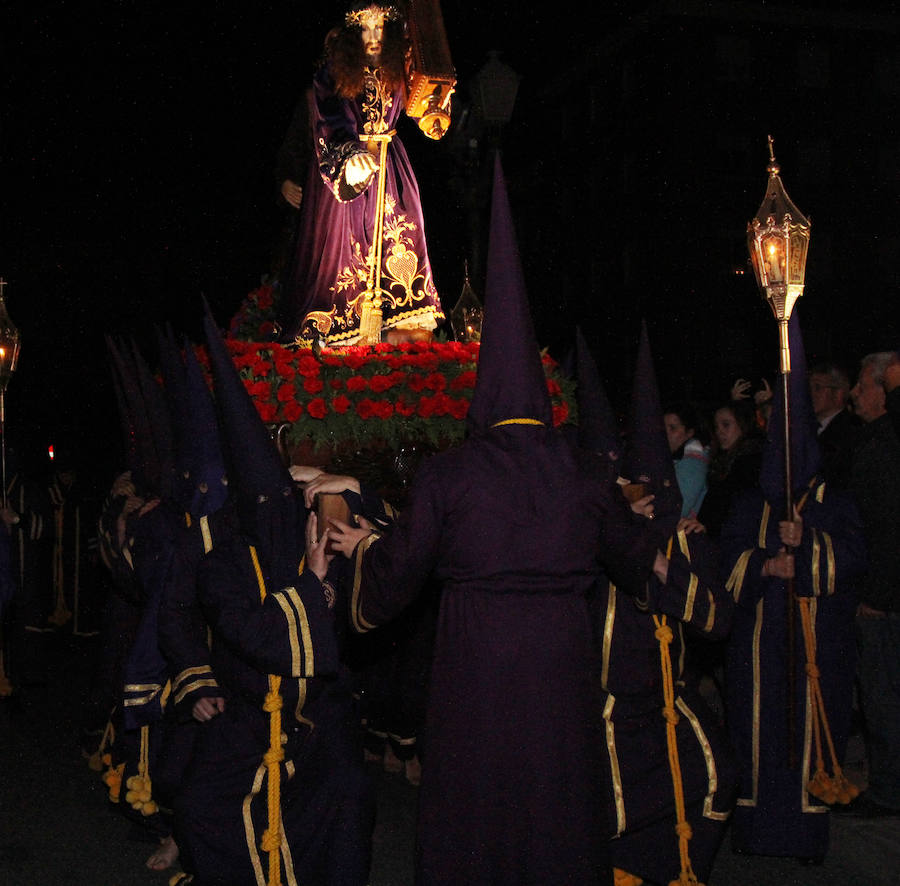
{"points": [[136, 155]]}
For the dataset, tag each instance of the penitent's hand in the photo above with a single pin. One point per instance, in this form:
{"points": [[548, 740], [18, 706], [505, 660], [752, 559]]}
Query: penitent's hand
{"points": [[317, 556], [779, 566], [791, 531], [304, 473], [345, 538], [329, 483], [206, 708]]}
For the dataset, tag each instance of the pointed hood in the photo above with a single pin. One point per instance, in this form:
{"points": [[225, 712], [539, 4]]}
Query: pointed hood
{"points": [[511, 383], [648, 460], [160, 424], [126, 418], [805, 452], [174, 378], [145, 461], [259, 482], [598, 429], [200, 453]]}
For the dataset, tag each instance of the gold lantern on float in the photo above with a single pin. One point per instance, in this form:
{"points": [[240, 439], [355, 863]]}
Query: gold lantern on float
{"points": [[468, 314]]}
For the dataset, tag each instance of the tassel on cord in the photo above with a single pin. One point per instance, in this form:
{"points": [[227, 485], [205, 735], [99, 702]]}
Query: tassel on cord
{"points": [[623, 878], [834, 788], [272, 837], [100, 758], [140, 788], [663, 634]]}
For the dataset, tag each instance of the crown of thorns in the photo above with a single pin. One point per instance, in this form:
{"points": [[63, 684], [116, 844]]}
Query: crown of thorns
{"points": [[376, 11]]}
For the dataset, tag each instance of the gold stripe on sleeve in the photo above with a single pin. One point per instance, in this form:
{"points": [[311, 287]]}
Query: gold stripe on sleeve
{"points": [[305, 634], [816, 551], [829, 553], [293, 640], [764, 525]]}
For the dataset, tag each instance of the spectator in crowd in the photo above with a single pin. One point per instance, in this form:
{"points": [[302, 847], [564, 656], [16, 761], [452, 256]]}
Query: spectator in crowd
{"points": [[830, 389], [734, 466], [875, 482], [691, 457]]}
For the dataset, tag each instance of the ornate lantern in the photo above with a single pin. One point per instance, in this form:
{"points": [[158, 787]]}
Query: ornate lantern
{"points": [[778, 240], [468, 314], [10, 343]]}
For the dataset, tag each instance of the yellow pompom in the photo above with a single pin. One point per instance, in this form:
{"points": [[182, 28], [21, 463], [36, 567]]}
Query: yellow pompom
{"points": [[144, 796], [149, 808], [132, 781]]}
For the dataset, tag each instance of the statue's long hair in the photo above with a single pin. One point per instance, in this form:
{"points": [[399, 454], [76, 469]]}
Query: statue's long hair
{"points": [[346, 57]]}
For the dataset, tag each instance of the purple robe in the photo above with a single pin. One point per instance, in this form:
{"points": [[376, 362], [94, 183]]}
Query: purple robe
{"points": [[324, 292], [510, 523]]}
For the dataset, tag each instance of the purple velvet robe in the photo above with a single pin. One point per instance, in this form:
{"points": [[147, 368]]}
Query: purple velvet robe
{"points": [[510, 523], [323, 294]]}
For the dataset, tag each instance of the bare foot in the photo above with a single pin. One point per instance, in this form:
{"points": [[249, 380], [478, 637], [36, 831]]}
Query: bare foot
{"points": [[392, 763], [165, 856]]}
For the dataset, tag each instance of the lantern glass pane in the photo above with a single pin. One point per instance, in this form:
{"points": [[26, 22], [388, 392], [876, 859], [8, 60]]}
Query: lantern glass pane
{"points": [[773, 257], [799, 245]]}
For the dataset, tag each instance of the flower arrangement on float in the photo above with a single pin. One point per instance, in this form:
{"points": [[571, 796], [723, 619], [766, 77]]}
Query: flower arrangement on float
{"points": [[384, 395]]}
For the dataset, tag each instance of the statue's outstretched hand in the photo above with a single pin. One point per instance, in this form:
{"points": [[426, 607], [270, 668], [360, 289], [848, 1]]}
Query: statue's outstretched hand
{"points": [[358, 171]]}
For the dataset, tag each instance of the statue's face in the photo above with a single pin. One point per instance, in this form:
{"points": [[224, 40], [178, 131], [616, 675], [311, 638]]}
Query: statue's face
{"points": [[372, 26]]}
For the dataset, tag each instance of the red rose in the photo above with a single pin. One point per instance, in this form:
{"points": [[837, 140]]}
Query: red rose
{"points": [[332, 360], [313, 385], [384, 409], [266, 411], [404, 408], [340, 404], [381, 383], [364, 409], [264, 297], [560, 413], [292, 411], [307, 365], [336, 384], [317, 408], [416, 383], [356, 383], [425, 407], [463, 380], [459, 409], [286, 393], [354, 360], [261, 368], [553, 387], [285, 370], [436, 382]]}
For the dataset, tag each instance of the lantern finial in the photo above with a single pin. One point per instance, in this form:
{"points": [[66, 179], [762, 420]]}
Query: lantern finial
{"points": [[773, 167]]}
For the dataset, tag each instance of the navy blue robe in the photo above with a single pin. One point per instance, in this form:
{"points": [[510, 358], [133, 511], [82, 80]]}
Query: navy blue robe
{"points": [[326, 802], [775, 815], [640, 805], [510, 524]]}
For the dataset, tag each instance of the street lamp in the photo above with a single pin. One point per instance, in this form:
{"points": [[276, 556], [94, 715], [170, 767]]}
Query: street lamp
{"points": [[10, 344]]}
